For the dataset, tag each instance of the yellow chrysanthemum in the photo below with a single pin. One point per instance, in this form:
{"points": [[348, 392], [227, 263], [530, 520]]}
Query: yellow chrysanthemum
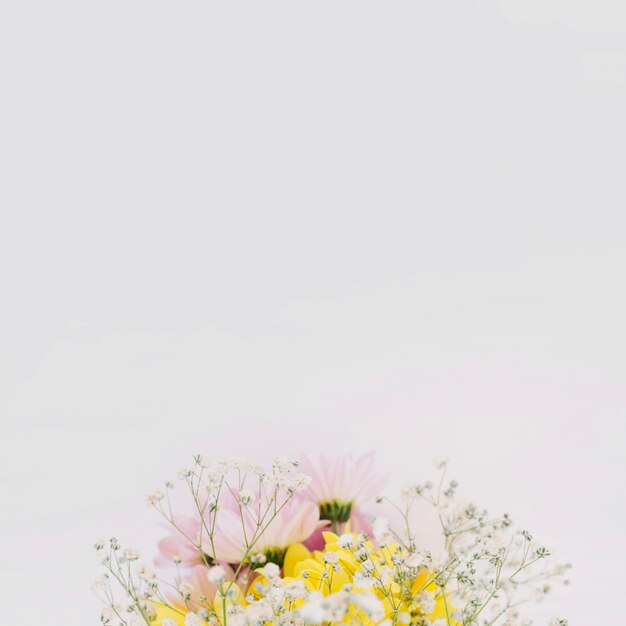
{"points": [[351, 562], [340, 563]]}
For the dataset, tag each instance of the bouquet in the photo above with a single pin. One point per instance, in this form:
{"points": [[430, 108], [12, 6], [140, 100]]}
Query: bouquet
{"points": [[315, 542]]}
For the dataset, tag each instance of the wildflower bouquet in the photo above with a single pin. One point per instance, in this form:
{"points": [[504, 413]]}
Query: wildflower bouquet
{"points": [[292, 545]]}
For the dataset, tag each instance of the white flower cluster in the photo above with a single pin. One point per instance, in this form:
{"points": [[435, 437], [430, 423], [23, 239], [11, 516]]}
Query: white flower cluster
{"points": [[139, 581], [289, 603], [487, 561], [320, 609]]}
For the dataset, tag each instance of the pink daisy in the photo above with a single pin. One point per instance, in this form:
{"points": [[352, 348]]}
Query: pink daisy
{"points": [[341, 484]]}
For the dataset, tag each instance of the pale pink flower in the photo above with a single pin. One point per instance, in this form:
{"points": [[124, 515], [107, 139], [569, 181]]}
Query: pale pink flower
{"points": [[294, 522], [344, 479], [179, 543]]}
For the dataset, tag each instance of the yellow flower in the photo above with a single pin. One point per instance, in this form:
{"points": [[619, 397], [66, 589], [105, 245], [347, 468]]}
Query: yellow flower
{"points": [[368, 583], [355, 561]]}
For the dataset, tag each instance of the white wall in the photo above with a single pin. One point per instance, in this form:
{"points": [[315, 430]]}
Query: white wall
{"points": [[276, 227]]}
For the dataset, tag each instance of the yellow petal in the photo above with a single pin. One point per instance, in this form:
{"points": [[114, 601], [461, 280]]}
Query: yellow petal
{"points": [[163, 612], [296, 552], [308, 565], [330, 537], [338, 580]]}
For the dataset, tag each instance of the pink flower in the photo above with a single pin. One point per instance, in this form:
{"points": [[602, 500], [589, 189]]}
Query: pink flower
{"points": [[179, 543], [293, 523], [340, 484], [343, 479]]}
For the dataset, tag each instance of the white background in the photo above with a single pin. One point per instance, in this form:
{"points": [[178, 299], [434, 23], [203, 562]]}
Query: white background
{"points": [[270, 227]]}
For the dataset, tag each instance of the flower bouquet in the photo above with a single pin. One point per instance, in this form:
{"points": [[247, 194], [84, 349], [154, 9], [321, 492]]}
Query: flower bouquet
{"points": [[299, 544]]}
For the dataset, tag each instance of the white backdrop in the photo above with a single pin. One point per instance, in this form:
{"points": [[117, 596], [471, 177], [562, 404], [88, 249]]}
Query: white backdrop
{"points": [[268, 228]]}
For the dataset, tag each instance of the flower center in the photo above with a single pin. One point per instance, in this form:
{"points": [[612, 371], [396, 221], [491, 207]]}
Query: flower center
{"points": [[336, 511], [275, 555]]}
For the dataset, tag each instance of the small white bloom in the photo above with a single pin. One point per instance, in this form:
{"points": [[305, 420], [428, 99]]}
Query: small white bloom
{"points": [[368, 566], [186, 590], [192, 619], [381, 531], [370, 604], [272, 571], [301, 482], [363, 580], [258, 559], [331, 557], [313, 611], [414, 559], [295, 589], [246, 497], [216, 575], [426, 601], [276, 595], [154, 497], [130, 554], [203, 461], [282, 465], [409, 493]]}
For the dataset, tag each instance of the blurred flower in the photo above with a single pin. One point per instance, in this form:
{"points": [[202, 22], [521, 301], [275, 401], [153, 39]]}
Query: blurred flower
{"points": [[236, 530], [179, 546], [340, 484]]}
